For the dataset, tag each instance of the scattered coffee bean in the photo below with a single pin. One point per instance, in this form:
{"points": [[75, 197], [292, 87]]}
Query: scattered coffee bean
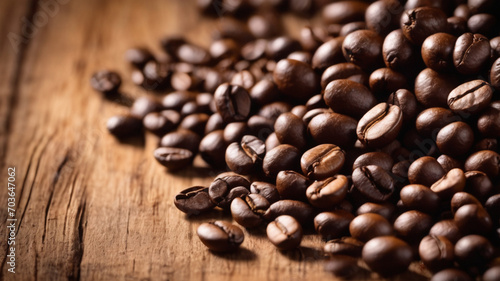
{"points": [[284, 232], [220, 236], [194, 200], [387, 255]]}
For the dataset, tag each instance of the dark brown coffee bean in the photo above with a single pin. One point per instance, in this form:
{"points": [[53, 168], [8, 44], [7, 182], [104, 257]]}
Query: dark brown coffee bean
{"points": [[177, 99], [333, 128], [473, 218], [432, 88], [291, 185], [311, 37], [407, 103], [272, 141], [290, 129], [426, 171], [173, 158], [478, 184], [280, 47], [193, 54], [436, 252], [284, 232], [322, 161], [301, 211], [212, 149], [448, 162], [345, 70], [455, 139], [194, 200], [381, 159], [344, 12], [124, 126], [220, 236], [421, 198], [488, 122], [160, 123], [264, 92], [144, 105], [495, 73], [398, 52], [346, 245], [233, 132], [363, 48], [386, 210], [451, 274], [138, 57], [474, 250], [412, 226], [351, 27], [448, 229], [333, 224], [383, 16], [387, 255], [385, 80], [329, 53], [457, 25], [471, 52], [221, 189], [449, 184], [420, 23], [329, 192], [280, 158], [267, 190], [486, 161], [437, 51], [373, 183], [460, 199], [470, 97], [484, 24], [368, 226], [245, 157], [106, 81], [492, 274], [350, 98], [430, 121], [295, 79], [273, 110], [181, 139], [249, 209], [380, 125], [492, 206], [195, 122], [342, 266], [233, 102]]}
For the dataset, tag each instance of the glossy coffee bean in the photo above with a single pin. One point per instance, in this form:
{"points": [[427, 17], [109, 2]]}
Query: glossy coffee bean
{"points": [[448, 229], [329, 53], [488, 122], [384, 81], [329, 127], [346, 245], [350, 98], [412, 226], [233, 102], [398, 52], [383, 16], [124, 126], [457, 25], [473, 218], [407, 102], [460, 199], [194, 200], [280, 47], [436, 252], [333, 224], [471, 53], [212, 149], [343, 12], [432, 88], [220, 236], [106, 81], [380, 125], [245, 157], [234, 132], [448, 162], [473, 250], [282, 157], [470, 97], [144, 105], [328, 192], [449, 184], [373, 183], [295, 79], [284, 232], [486, 161], [221, 189], [176, 100], [181, 139], [345, 70], [451, 274], [495, 73], [195, 122], [322, 161], [387, 255], [363, 48], [430, 121], [160, 123], [291, 185], [492, 274], [482, 24], [386, 210], [173, 158], [249, 209], [455, 139], [290, 129], [425, 170], [381, 159], [421, 198], [479, 185], [193, 54], [301, 211], [418, 24], [437, 51], [367, 226], [265, 189], [492, 206]]}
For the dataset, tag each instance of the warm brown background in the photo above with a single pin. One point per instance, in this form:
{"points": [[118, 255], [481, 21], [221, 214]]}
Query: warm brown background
{"points": [[89, 207]]}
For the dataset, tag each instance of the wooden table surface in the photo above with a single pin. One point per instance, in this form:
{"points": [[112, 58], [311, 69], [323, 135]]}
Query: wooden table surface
{"points": [[88, 207]]}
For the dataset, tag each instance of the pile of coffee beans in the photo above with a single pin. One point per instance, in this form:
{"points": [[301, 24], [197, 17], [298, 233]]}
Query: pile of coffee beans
{"points": [[378, 128]]}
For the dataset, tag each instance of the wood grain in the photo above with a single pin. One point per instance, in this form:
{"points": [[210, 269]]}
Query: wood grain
{"points": [[89, 207]]}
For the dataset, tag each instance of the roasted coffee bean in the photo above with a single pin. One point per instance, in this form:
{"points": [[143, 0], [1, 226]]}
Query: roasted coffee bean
{"points": [[449, 184], [448, 229], [311, 37], [333, 224], [383, 16], [193, 54], [400, 171], [426, 171], [387, 255], [420, 23], [124, 126], [220, 189], [437, 51], [381, 159], [273, 110], [473, 250], [398, 52], [272, 141], [233, 102], [106, 81], [432, 88], [470, 97], [280, 158], [284, 232], [264, 25], [291, 185], [177, 99], [451, 274], [290, 129], [363, 48], [486, 161], [295, 79], [351, 27], [407, 102], [421, 198], [457, 25], [144, 105], [181, 139], [267, 190], [344, 12], [329, 53], [322, 161], [484, 24], [195, 122], [368, 226], [386, 210], [385, 80], [430, 121], [342, 266], [373, 183], [436, 252], [455, 139], [138, 57], [301, 211], [412, 226], [280, 47], [302, 56], [220, 236], [345, 70], [329, 127], [486, 144], [380, 125], [173, 158], [478, 184], [460, 199], [194, 200], [350, 98], [471, 52], [495, 73], [234, 132], [299, 111], [492, 206], [492, 274], [160, 123], [212, 149], [245, 157], [249, 209], [448, 163], [473, 218], [328, 192], [346, 245], [488, 122], [264, 92]]}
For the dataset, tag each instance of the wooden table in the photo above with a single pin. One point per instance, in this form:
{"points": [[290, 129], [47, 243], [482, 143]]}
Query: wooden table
{"points": [[88, 207]]}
